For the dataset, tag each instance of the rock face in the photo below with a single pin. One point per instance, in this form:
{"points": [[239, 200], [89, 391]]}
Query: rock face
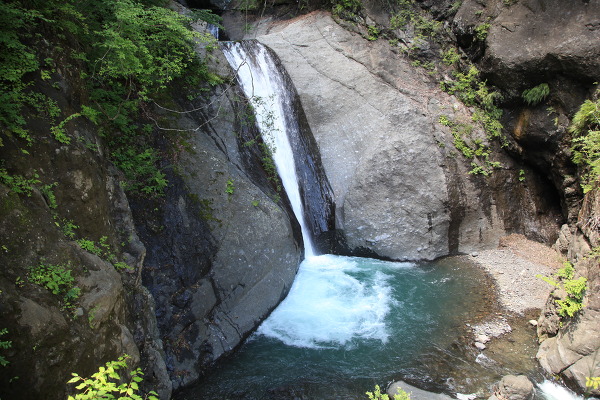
{"points": [[529, 43], [399, 192], [571, 347], [222, 252], [50, 339], [551, 40]]}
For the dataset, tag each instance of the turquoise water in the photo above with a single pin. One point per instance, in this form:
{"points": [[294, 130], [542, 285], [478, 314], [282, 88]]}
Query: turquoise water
{"points": [[350, 323]]}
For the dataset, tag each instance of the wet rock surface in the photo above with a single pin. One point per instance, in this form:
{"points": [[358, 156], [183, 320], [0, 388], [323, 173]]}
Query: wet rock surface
{"points": [[223, 251]]}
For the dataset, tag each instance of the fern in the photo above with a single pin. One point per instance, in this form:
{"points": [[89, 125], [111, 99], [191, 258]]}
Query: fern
{"points": [[536, 94]]}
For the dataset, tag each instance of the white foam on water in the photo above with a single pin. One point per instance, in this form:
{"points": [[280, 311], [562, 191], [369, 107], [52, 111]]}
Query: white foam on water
{"points": [[553, 391], [329, 307]]}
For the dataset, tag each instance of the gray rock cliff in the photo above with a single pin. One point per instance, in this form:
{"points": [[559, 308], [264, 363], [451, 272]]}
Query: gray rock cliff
{"points": [[399, 191]]}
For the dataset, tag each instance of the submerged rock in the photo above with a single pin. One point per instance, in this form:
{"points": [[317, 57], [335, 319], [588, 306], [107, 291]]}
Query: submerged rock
{"points": [[415, 393]]}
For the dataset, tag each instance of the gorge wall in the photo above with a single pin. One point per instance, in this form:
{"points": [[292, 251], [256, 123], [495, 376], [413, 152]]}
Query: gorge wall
{"points": [[223, 249], [218, 252]]}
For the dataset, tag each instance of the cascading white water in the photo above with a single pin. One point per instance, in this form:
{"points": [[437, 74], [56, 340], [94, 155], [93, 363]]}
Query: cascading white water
{"points": [[552, 391], [263, 85]]}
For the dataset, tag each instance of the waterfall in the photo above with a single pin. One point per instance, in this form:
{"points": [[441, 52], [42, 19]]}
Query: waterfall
{"points": [[264, 86]]}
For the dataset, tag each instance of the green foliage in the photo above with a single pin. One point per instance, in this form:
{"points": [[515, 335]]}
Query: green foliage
{"points": [[521, 175], [470, 148], [455, 6], [139, 164], [127, 51], [59, 132], [230, 187], [107, 384], [573, 303], [481, 31], [346, 8], [585, 127], [48, 194], [4, 344], [464, 86], [16, 60], [377, 395], [587, 116], [58, 280], [473, 92], [450, 57], [592, 382], [424, 26], [269, 165], [67, 228], [536, 94], [566, 272], [121, 266], [92, 316], [575, 289], [17, 183], [373, 32], [90, 246], [248, 5], [147, 45], [104, 251]]}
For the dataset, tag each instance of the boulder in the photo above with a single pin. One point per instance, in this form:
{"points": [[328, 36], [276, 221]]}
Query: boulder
{"points": [[551, 41], [513, 387], [47, 333]]}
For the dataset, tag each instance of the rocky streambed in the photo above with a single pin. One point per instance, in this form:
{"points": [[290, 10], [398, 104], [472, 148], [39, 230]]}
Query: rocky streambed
{"points": [[502, 340]]}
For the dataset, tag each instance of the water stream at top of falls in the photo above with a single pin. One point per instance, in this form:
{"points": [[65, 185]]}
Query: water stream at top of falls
{"points": [[264, 87]]}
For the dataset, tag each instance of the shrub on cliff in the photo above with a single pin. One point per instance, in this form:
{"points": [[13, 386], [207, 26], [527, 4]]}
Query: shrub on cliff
{"points": [[585, 128], [125, 53], [108, 384]]}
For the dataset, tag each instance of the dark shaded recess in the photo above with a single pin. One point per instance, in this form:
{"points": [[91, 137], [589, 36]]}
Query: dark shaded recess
{"points": [[472, 47], [334, 242], [180, 250], [200, 4], [456, 205], [570, 83], [545, 145], [315, 189]]}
